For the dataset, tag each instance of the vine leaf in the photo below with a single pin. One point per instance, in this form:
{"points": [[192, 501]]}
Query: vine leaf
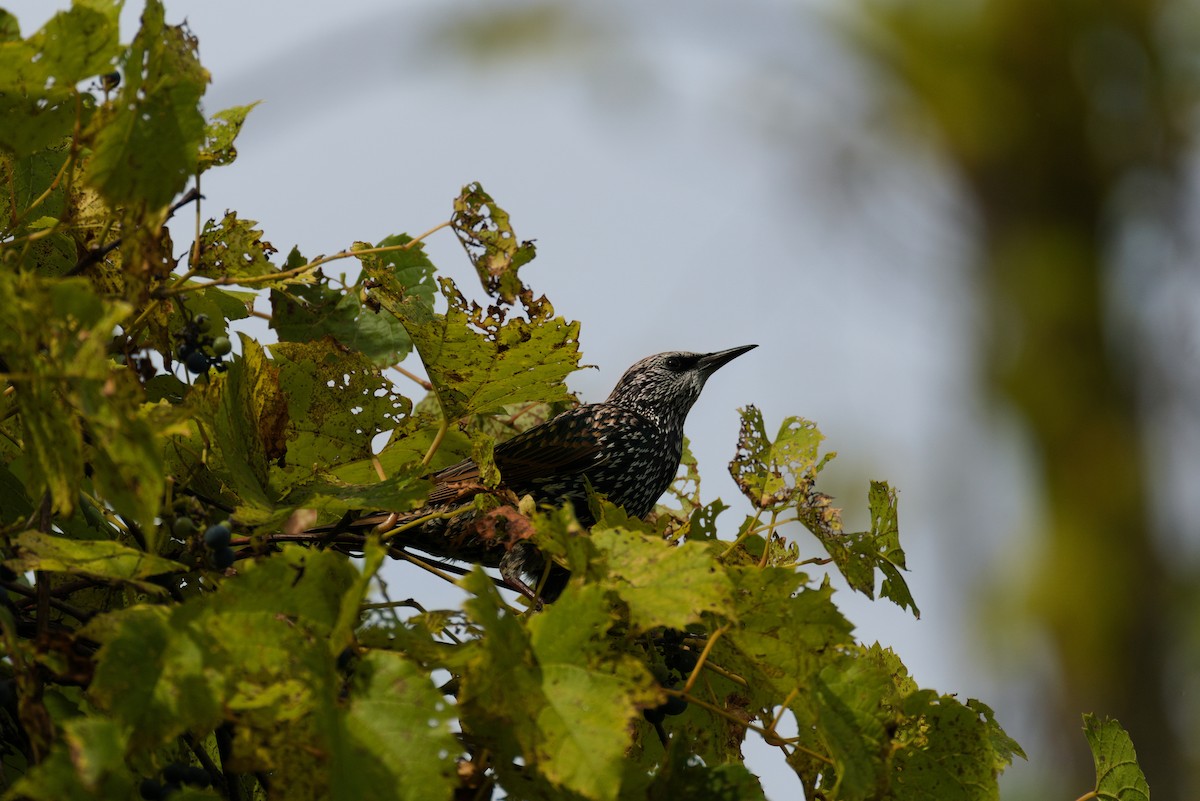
{"points": [[102, 559], [38, 75], [233, 248], [554, 693], [479, 361], [770, 472], [1118, 776], [147, 146], [219, 134], [775, 473], [669, 587], [305, 313], [395, 734], [486, 234]]}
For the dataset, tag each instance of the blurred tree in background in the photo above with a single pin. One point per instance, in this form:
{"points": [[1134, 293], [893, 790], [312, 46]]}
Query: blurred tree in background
{"points": [[1070, 124]]}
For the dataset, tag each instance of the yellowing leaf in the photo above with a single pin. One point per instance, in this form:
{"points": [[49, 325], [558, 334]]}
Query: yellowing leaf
{"points": [[486, 233], [102, 559], [479, 362]]}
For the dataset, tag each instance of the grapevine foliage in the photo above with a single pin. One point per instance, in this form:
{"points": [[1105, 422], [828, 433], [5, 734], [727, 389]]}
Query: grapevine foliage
{"points": [[170, 627]]}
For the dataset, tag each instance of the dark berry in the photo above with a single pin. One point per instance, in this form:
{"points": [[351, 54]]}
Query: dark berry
{"points": [[196, 362], [223, 557], [196, 776], [173, 773], [221, 346], [654, 716], [217, 536], [681, 660], [150, 790], [675, 705], [110, 81]]}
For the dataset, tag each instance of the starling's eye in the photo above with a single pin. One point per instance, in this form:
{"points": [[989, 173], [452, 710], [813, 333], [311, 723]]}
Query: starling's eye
{"points": [[673, 363]]}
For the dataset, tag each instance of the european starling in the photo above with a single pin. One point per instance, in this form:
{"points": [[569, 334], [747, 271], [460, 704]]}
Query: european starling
{"points": [[627, 448]]}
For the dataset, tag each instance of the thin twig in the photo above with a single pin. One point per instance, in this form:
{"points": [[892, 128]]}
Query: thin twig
{"points": [[771, 737], [425, 385], [178, 287], [82, 615], [708, 646]]}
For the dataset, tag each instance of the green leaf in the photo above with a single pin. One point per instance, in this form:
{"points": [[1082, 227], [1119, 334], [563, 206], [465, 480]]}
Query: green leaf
{"points": [[398, 735], [399, 492], [14, 500], [885, 546], [219, 134], [147, 146], [38, 99], [853, 715], [774, 473], [233, 248], [857, 555], [771, 472], [949, 755], [1118, 775], [1004, 747], [306, 585], [257, 649], [480, 362], [32, 177], [682, 777], [79, 43], [787, 631], [552, 693], [245, 414], [101, 559], [662, 584], [307, 313], [150, 672], [54, 337], [487, 235], [87, 763], [337, 402], [408, 271]]}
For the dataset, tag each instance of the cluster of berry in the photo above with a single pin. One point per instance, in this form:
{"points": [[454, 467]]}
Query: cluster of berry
{"points": [[198, 349], [216, 538]]}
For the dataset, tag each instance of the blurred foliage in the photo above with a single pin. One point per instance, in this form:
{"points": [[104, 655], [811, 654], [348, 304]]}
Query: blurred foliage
{"points": [[171, 624], [1048, 111]]}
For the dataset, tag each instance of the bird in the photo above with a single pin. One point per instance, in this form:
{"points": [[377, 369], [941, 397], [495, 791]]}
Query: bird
{"points": [[626, 448]]}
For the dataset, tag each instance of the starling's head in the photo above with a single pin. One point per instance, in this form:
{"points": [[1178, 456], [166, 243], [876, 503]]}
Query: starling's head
{"points": [[664, 386]]}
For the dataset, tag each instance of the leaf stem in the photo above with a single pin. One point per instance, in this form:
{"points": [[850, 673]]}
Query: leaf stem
{"points": [[437, 441], [708, 646], [742, 537], [783, 707]]}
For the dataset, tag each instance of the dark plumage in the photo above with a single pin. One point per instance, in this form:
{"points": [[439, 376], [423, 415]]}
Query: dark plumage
{"points": [[627, 448]]}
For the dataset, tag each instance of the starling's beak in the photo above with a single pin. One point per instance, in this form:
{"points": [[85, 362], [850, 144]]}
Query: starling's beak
{"points": [[712, 362]]}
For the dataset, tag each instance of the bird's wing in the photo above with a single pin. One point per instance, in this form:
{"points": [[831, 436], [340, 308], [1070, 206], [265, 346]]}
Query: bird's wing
{"points": [[565, 445]]}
